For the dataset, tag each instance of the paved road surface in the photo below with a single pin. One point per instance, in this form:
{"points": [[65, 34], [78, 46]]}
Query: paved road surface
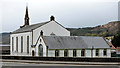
{"points": [[32, 65]]}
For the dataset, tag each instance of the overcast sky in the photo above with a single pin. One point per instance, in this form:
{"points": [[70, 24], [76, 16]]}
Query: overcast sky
{"points": [[69, 13]]}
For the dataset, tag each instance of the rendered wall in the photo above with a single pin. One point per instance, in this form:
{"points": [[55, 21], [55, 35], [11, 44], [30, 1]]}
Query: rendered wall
{"points": [[24, 53], [48, 28], [88, 53], [61, 53], [51, 53]]}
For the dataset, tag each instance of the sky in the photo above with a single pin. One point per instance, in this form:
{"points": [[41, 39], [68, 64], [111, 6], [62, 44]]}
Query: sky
{"points": [[69, 13]]}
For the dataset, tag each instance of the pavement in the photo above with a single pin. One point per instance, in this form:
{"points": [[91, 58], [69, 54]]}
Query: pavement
{"points": [[61, 62], [29, 65]]}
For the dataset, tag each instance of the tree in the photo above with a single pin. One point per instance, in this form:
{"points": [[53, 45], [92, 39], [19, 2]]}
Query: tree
{"points": [[116, 40]]}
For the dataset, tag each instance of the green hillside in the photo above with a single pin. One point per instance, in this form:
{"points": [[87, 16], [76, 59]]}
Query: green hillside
{"points": [[109, 29]]}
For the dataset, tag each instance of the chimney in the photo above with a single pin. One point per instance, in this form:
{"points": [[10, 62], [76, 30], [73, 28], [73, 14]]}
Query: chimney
{"points": [[52, 18], [41, 33]]}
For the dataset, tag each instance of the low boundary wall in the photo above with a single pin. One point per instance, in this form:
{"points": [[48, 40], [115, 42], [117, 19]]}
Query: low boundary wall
{"points": [[74, 59]]}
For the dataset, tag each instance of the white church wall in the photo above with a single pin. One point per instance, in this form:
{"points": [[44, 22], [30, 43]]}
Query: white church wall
{"points": [[51, 53], [100, 52], [24, 53], [12, 50], [70, 53], [48, 28], [79, 53], [61, 53], [87, 53], [108, 52], [94, 53]]}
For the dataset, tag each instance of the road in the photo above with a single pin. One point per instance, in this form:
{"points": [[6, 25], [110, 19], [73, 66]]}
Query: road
{"points": [[33, 65]]}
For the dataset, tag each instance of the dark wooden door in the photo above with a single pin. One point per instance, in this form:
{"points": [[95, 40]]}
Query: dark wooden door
{"points": [[33, 53]]}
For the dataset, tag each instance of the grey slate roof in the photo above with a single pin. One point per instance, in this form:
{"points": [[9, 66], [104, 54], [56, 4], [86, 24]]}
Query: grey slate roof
{"points": [[74, 42], [29, 27]]}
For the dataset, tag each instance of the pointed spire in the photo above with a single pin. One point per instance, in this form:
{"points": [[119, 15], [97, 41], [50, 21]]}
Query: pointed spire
{"points": [[26, 16]]}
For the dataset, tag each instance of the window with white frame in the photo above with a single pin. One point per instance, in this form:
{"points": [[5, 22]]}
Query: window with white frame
{"points": [[97, 52], [65, 53], [83, 52], [74, 53], [56, 53], [105, 52]]}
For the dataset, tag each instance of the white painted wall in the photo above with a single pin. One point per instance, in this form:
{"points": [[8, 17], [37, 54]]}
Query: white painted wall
{"points": [[94, 53], [78, 53], [108, 52], [48, 28], [61, 53], [51, 53], [101, 53], [25, 34], [87, 53], [70, 53]]}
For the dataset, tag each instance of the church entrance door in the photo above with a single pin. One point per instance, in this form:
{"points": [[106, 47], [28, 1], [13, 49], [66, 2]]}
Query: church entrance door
{"points": [[40, 50]]}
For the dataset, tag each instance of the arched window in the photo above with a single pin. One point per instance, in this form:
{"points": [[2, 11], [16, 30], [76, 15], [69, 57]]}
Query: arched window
{"points": [[40, 50]]}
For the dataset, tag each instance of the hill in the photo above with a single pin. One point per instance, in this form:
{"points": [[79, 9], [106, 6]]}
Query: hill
{"points": [[4, 38], [109, 29]]}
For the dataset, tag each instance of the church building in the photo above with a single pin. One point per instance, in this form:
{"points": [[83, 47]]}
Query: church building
{"points": [[51, 39]]}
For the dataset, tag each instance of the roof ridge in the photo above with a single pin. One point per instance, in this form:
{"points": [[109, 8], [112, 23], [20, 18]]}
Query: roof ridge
{"points": [[73, 36], [30, 27], [39, 23]]}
